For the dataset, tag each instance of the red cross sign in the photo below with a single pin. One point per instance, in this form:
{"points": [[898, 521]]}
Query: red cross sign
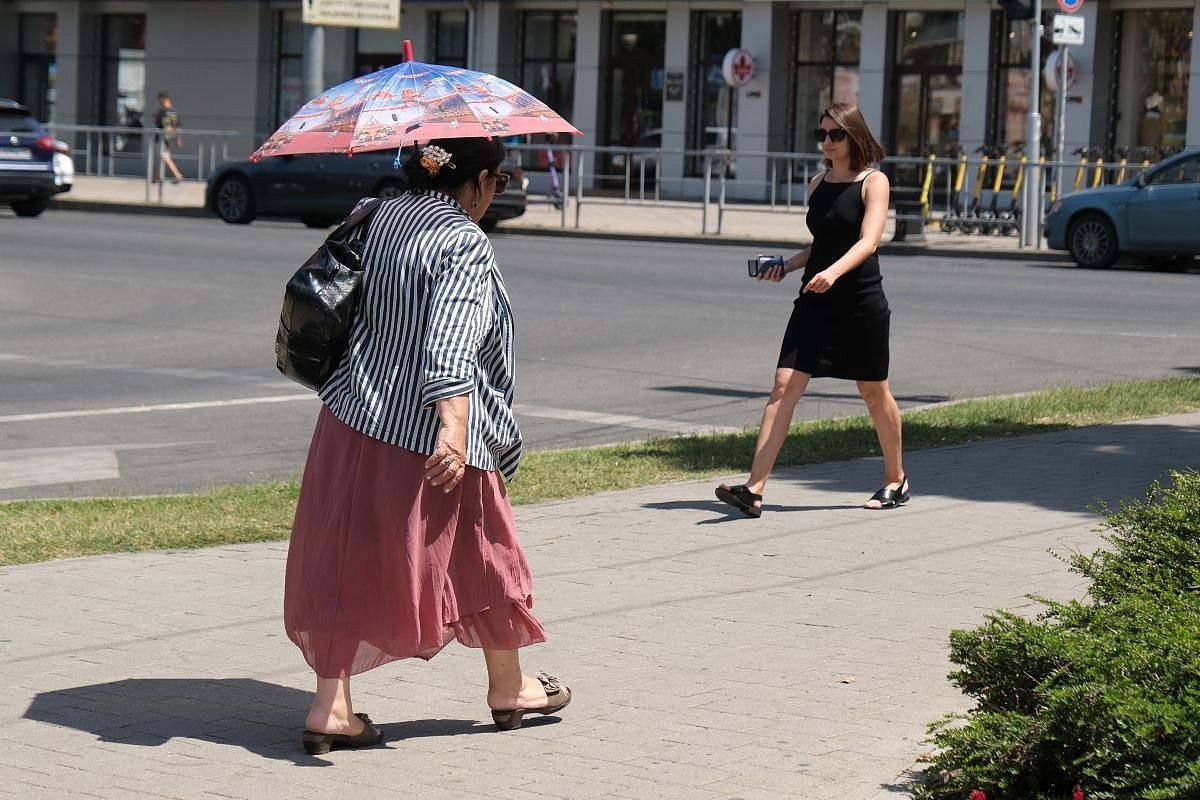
{"points": [[738, 67]]}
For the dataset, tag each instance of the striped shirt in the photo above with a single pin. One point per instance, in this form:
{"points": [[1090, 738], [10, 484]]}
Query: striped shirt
{"points": [[433, 321]]}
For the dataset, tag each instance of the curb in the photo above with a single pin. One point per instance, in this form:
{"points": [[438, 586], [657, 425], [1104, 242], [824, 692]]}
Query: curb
{"points": [[886, 248], [151, 209]]}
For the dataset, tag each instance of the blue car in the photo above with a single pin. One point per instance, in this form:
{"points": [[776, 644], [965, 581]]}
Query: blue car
{"points": [[32, 162], [1156, 213]]}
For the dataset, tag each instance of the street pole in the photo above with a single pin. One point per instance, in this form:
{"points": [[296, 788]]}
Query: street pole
{"points": [[1031, 219], [314, 61], [1061, 113]]}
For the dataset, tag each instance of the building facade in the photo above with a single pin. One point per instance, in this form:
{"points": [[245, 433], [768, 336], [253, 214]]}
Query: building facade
{"points": [[931, 76]]}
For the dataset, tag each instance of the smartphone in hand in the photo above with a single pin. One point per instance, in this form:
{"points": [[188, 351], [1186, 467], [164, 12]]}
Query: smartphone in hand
{"points": [[759, 266]]}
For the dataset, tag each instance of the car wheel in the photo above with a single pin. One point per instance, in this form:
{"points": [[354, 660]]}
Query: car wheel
{"points": [[30, 207], [1092, 241], [233, 200], [388, 189]]}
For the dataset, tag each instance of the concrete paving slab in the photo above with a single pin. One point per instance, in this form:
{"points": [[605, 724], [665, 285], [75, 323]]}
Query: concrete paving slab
{"points": [[713, 656]]}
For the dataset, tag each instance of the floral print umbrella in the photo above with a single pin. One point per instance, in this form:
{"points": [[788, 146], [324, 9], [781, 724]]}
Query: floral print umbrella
{"points": [[398, 105]]}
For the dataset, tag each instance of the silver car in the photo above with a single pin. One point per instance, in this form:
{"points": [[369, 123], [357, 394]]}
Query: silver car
{"points": [[1156, 213]]}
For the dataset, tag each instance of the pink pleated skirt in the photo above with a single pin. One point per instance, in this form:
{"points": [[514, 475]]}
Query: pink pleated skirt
{"points": [[383, 565]]}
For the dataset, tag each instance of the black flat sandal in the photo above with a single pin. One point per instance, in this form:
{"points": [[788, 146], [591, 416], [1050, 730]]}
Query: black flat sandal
{"points": [[741, 498], [317, 743], [891, 498]]}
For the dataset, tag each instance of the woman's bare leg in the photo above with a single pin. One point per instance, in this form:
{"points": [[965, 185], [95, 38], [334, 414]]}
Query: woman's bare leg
{"points": [[332, 711], [886, 416], [508, 687], [776, 420]]}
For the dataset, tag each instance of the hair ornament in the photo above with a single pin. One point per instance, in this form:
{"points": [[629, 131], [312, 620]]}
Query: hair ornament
{"points": [[433, 158]]}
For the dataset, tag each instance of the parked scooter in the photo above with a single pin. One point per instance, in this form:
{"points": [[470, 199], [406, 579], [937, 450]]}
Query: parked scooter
{"points": [[956, 204], [972, 220], [991, 222], [1082, 152], [1010, 218]]}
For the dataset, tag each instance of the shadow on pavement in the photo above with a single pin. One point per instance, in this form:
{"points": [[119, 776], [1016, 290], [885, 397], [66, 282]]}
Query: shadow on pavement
{"points": [[763, 394], [262, 718], [1064, 469]]}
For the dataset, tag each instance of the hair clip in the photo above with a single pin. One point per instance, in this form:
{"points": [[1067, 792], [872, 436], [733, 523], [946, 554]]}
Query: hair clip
{"points": [[433, 158]]}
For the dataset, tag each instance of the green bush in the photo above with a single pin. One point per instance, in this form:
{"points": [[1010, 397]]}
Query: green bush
{"points": [[1103, 693]]}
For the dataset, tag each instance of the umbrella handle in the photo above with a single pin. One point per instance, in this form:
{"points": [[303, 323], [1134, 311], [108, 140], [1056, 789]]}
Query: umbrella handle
{"points": [[408, 56]]}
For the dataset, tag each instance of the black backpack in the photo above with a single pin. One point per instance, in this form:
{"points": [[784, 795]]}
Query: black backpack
{"points": [[319, 302]]}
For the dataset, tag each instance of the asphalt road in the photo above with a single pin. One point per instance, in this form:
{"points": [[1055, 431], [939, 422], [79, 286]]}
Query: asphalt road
{"points": [[137, 352]]}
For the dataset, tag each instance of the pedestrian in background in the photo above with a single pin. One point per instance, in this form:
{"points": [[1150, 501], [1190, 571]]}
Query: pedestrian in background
{"points": [[404, 537], [166, 119], [841, 320]]}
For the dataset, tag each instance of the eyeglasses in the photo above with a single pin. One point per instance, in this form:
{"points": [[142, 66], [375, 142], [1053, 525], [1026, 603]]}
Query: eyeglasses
{"points": [[502, 179], [835, 135]]}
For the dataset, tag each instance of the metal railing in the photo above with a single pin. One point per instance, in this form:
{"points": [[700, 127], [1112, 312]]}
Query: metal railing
{"points": [[114, 150]]}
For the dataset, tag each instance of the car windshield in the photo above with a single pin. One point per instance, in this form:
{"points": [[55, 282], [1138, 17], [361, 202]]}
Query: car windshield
{"points": [[12, 121]]}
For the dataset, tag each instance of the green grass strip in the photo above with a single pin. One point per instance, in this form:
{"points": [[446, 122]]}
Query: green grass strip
{"points": [[40, 530]]}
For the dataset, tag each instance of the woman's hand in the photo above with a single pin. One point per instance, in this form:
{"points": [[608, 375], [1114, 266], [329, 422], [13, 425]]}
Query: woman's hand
{"points": [[774, 274], [446, 467], [821, 282]]}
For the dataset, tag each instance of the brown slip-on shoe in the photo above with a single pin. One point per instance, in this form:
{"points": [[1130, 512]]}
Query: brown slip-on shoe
{"points": [[558, 697], [318, 744]]}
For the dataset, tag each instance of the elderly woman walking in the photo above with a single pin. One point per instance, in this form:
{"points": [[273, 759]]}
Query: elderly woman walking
{"points": [[404, 537]]}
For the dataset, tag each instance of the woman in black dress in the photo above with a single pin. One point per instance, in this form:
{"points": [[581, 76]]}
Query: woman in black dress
{"points": [[840, 324]]}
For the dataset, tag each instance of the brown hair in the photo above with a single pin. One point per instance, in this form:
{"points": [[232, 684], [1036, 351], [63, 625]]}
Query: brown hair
{"points": [[864, 147]]}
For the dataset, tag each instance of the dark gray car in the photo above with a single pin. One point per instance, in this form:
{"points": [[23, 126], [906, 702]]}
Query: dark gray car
{"points": [[322, 189]]}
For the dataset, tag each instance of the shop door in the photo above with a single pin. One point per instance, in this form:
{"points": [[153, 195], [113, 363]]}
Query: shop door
{"points": [[631, 114]]}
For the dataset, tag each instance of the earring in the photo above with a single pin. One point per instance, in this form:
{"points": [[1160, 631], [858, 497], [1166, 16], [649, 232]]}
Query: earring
{"points": [[474, 204]]}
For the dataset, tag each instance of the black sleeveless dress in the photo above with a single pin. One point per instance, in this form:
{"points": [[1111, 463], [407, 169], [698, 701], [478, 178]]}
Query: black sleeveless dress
{"points": [[842, 333]]}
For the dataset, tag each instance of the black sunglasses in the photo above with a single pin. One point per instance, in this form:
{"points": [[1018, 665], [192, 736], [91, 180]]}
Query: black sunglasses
{"points": [[835, 135], [502, 179]]}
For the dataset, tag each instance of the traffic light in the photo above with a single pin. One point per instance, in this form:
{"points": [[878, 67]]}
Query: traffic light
{"points": [[1017, 9]]}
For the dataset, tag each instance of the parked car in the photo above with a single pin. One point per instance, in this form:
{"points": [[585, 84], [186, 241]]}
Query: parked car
{"points": [[34, 166], [1156, 213], [319, 190]]}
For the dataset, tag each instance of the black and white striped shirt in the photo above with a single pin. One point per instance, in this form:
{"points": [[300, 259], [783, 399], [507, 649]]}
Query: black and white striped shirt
{"points": [[433, 321]]}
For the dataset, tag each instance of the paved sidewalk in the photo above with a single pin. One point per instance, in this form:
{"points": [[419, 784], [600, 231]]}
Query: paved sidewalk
{"points": [[713, 657], [754, 226]]}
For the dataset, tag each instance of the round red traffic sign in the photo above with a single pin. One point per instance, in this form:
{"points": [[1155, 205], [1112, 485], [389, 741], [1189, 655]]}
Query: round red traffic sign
{"points": [[1053, 70], [1070, 6], [738, 67]]}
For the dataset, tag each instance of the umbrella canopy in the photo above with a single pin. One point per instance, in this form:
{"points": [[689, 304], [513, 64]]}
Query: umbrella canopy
{"points": [[393, 107]]}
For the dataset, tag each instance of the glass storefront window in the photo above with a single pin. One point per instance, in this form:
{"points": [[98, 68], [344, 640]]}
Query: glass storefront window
{"points": [[1008, 119], [38, 44], [826, 68], [123, 77], [376, 49], [548, 58], [713, 104], [448, 32], [927, 96], [1153, 79], [289, 65]]}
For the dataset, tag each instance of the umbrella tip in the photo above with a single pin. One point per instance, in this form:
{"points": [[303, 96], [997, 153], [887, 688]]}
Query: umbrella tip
{"points": [[408, 56]]}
